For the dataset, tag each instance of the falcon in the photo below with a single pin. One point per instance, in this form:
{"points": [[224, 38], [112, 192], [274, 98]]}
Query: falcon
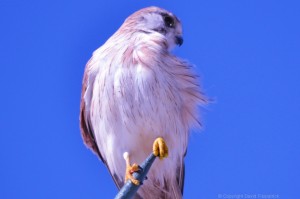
{"points": [[134, 92]]}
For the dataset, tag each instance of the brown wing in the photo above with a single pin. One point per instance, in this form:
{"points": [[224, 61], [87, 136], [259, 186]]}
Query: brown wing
{"points": [[180, 176], [86, 128], [85, 125]]}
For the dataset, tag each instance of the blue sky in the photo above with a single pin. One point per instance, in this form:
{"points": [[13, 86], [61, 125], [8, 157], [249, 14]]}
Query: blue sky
{"points": [[246, 52]]}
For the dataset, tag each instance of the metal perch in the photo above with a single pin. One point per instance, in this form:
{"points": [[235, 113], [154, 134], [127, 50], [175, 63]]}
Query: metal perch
{"points": [[129, 189]]}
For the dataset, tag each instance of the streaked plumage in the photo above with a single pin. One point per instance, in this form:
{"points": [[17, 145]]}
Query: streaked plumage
{"points": [[134, 91]]}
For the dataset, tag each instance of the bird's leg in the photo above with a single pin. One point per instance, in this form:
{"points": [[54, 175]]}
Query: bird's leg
{"points": [[160, 148], [130, 169]]}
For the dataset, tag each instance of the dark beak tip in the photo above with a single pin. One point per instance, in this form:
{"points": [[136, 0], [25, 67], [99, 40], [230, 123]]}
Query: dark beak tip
{"points": [[179, 40]]}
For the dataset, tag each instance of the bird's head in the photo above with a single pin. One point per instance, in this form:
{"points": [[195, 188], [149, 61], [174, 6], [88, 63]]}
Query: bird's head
{"points": [[157, 22]]}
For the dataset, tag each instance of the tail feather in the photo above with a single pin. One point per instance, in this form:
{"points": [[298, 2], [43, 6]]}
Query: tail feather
{"points": [[168, 191]]}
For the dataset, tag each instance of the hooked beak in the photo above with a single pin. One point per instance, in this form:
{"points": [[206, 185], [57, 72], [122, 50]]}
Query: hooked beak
{"points": [[179, 40]]}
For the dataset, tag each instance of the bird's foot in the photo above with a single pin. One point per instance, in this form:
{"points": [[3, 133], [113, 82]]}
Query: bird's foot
{"points": [[130, 169], [160, 148]]}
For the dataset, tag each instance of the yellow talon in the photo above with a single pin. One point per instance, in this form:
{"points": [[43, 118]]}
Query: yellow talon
{"points": [[160, 148], [130, 169]]}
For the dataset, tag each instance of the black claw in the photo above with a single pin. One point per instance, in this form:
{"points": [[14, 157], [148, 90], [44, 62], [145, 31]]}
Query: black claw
{"points": [[140, 169], [141, 183], [146, 178]]}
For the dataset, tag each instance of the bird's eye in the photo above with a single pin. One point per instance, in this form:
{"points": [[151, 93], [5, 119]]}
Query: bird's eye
{"points": [[169, 22]]}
